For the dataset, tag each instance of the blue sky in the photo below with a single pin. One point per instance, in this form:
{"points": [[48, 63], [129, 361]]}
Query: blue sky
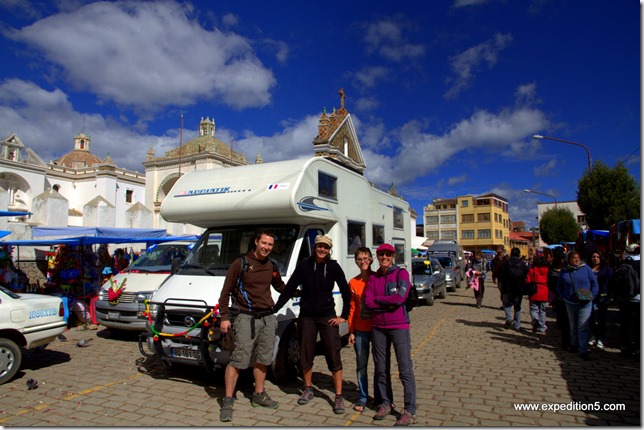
{"points": [[445, 95]]}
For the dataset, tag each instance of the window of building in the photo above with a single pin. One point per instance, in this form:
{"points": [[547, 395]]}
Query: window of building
{"points": [[398, 218], [483, 217], [327, 186], [484, 234], [448, 219], [432, 234], [464, 203], [378, 233], [449, 234], [581, 219], [467, 218], [355, 233], [433, 219], [129, 195], [467, 234]]}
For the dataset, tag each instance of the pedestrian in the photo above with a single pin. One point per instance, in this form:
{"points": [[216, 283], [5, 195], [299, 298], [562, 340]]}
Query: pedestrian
{"points": [[248, 283], [513, 274], [626, 291], [475, 282], [599, 312], [559, 306], [360, 331], [385, 296], [497, 262], [538, 274], [578, 287], [317, 275]]}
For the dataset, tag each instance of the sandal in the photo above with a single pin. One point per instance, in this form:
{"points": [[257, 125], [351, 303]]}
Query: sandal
{"points": [[359, 406]]}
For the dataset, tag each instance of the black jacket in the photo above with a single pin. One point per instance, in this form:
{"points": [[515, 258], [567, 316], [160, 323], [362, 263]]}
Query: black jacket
{"points": [[317, 281]]}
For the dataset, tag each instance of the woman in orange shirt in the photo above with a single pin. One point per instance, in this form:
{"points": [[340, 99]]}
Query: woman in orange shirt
{"points": [[360, 327]]}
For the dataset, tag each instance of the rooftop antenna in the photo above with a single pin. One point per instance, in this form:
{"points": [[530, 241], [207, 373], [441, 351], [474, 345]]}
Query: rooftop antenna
{"points": [[180, 143]]}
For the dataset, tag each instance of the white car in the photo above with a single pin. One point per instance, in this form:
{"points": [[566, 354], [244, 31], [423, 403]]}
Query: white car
{"points": [[26, 321]]}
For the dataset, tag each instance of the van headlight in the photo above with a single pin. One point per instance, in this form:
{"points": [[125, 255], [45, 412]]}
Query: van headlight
{"points": [[102, 295], [448, 276]]}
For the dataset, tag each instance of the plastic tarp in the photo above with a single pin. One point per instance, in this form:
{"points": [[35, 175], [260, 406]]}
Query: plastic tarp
{"points": [[131, 233], [636, 226], [4, 233], [9, 213], [92, 240]]}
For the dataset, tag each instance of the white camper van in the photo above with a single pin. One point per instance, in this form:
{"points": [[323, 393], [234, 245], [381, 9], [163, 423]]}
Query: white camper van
{"points": [[296, 200]]}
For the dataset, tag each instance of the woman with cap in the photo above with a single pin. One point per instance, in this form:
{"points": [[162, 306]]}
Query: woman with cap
{"points": [[385, 296], [317, 275]]}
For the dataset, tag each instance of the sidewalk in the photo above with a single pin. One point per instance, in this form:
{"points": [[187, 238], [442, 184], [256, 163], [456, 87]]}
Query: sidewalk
{"points": [[470, 371]]}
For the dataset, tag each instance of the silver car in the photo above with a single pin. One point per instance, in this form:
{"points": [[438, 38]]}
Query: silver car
{"points": [[452, 273], [429, 279]]}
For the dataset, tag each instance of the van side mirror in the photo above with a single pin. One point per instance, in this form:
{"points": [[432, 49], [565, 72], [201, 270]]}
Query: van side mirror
{"points": [[174, 267]]}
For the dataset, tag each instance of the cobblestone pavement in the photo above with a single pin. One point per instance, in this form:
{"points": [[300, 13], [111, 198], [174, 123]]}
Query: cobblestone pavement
{"points": [[470, 371]]}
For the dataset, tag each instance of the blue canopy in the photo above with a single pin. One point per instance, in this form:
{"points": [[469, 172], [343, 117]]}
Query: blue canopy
{"points": [[130, 233], [92, 240], [4, 233], [9, 213]]}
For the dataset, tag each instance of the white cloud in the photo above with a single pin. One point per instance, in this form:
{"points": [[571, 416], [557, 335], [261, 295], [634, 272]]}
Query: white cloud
{"points": [[386, 38], [369, 77], [149, 55], [465, 3], [545, 169], [466, 64]]}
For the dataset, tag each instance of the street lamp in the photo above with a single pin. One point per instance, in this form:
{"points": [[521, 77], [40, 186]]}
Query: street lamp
{"points": [[543, 194], [590, 163]]}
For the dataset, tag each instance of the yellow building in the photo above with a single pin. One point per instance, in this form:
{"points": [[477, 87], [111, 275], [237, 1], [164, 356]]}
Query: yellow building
{"points": [[477, 223]]}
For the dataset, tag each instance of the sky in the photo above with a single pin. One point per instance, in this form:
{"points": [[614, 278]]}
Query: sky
{"points": [[445, 95]]}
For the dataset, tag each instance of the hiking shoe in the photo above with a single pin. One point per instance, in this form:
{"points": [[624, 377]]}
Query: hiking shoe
{"points": [[338, 407], [591, 342], [383, 411], [599, 344], [226, 412], [508, 323], [307, 396], [406, 419], [262, 400]]}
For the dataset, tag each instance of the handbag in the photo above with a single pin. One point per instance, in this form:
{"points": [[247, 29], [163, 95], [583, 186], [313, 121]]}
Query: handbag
{"points": [[583, 294], [530, 288]]}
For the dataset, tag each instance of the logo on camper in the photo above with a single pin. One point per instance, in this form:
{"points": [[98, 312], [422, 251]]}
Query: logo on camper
{"points": [[186, 193]]}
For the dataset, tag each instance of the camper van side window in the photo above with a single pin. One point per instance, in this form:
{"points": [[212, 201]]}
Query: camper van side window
{"points": [[398, 218], [400, 253], [356, 239], [327, 186], [378, 234]]}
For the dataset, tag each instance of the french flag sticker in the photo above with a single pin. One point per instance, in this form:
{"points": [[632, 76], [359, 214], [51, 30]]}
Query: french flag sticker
{"points": [[278, 186]]}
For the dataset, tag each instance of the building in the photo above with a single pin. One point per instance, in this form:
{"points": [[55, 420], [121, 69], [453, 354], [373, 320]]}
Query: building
{"points": [[477, 223]]}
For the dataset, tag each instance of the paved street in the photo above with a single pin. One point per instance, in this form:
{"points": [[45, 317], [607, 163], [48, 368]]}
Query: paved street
{"points": [[470, 371]]}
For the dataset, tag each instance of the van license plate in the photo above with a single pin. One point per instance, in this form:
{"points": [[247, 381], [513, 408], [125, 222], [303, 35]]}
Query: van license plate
{"points": [[113, 316], [191, 354]]}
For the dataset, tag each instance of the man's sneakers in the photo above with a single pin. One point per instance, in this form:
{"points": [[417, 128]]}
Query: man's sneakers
{"points": [[262, 400], [226, 413], [406, 419], [306, 396]]}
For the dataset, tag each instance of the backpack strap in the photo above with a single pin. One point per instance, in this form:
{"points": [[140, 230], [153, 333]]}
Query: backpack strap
{"points": [[240, 281]]}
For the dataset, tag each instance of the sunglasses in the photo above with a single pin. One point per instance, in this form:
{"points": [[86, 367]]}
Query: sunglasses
{"points": [[322, 245], [385, 253]]}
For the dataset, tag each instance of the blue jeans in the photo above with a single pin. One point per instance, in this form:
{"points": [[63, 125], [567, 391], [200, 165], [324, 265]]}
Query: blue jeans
{"points": [[510, 301], [401, 339], [361, 347], [538, 314], [579, 317]]}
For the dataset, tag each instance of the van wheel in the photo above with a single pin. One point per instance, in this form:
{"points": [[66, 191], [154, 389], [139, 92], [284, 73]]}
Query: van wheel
{"points": [[286, 366], [10, 359]]}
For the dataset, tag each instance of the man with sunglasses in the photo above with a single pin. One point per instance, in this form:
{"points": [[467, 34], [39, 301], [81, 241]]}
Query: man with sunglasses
{"points": [[317, 276], [385, 296]]}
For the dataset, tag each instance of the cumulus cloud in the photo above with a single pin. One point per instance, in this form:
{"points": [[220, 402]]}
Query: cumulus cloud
{"points": [[545, 169], [466, 64], [387, 38], [148, 55]]}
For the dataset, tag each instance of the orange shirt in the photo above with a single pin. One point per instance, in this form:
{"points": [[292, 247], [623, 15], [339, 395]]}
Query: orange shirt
{"points": [[357, 286]]}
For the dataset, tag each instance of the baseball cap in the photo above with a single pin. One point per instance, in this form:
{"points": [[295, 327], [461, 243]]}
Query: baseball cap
{"points": [[320, 238], [385, 247]]}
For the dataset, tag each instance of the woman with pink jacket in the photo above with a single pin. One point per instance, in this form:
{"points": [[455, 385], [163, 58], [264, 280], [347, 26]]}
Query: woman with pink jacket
{"points": [[538, 274]]}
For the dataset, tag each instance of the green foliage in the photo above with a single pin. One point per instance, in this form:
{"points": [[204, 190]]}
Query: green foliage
{"points": [[608, 195], [558, 225]]}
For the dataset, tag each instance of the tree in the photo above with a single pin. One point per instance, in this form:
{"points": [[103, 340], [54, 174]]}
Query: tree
{"points": [[608, 195], [558, 225]]}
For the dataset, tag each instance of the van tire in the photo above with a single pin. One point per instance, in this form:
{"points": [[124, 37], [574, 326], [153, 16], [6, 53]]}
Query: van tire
{"points": [[286, 366], [10, 359]]}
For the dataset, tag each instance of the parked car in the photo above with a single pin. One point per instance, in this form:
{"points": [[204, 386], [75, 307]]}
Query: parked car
{"points": [[428, 278], [140, 279], [452, 273], [26, 321]]}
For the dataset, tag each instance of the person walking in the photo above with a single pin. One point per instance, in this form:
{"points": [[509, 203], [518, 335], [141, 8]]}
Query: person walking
{"points": [[317, 276], [360, 330], [385, 296], [538, 274], [248, 283], [561, 314], [599, 312], [497, 262], [513, 274], [578, 287]]}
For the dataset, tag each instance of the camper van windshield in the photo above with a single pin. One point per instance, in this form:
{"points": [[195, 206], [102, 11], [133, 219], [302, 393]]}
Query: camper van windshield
{"points": [[219, 247], [159, 257]]}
